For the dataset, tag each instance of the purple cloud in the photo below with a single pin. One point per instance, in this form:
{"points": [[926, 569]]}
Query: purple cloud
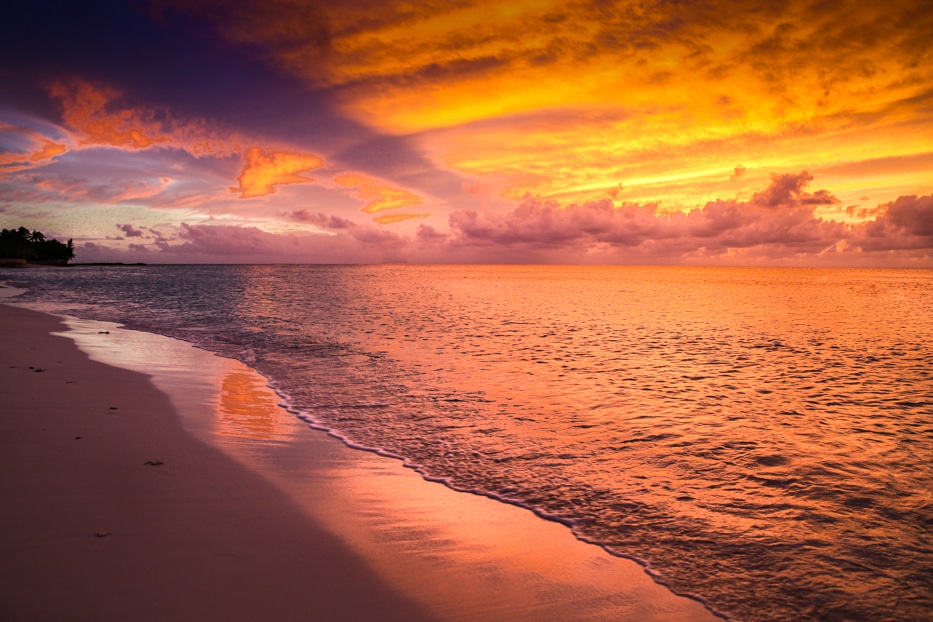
{"points": [[906, 223], [319, 219], [777, 226], [782, 215], [130, 231]]}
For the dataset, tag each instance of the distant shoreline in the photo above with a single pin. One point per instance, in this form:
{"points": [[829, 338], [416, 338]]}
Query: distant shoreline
{"points": [[22, 263], [108, 263]]}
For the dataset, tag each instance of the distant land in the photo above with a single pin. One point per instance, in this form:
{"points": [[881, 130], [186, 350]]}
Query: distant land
{"points": [[22, 246]]}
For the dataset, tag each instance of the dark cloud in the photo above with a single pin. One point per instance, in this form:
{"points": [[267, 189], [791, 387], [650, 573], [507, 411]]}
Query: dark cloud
{"points": [[168, 60], [906, 223], [912, 215], [427, 233], [211, 243], [130, 231], [789, 189], [320, 220]]}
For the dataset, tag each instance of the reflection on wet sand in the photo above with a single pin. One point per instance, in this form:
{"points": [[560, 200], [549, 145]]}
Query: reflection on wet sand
{"points": [[463, 556], [245, 409], [472, 558]]}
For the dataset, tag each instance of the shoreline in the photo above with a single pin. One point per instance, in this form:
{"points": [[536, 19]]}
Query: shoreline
{"points": [[414, 548]]}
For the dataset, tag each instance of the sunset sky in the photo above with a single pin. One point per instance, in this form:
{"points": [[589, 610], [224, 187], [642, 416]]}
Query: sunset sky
{"points": [[721, 133]]}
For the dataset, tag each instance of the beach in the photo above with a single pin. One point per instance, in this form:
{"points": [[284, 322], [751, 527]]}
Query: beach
{"points": [[120, 507], [112, 511]]}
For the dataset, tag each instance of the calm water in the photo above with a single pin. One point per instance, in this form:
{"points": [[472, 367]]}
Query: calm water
{"points": [[760, 438]]}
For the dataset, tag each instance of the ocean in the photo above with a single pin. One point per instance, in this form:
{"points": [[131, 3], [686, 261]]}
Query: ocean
{"points": [[760, 438]]}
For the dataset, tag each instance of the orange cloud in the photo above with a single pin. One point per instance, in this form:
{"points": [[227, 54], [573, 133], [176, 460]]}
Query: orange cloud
{"points": [[37, 148], [101, 116], [390, 218], [91, 111], [380, 197], [264, 170], [664, 97], [49, 150]]}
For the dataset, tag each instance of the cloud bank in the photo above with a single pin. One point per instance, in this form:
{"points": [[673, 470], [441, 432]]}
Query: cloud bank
{"points": [[777, 226]]}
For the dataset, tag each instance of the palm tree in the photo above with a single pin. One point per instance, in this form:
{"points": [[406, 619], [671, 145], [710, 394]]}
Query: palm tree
{"points": [[34, 246]]}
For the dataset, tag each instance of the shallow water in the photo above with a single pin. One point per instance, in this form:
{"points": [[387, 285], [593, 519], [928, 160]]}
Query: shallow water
{"points": [[760, 438]]}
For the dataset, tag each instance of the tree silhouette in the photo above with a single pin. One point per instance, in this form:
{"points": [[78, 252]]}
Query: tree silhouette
{"points": [[33, 246]]}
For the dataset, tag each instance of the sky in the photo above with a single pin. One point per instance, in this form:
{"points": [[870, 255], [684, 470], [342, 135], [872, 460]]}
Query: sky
{"points": [[794, 133]]}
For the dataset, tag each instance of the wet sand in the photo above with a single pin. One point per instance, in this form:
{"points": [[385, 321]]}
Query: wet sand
{"points": [[250, 515]]}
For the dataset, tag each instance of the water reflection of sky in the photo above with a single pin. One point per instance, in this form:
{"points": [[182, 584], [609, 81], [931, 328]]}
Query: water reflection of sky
{"points": [[247, 407], [463, 556]]}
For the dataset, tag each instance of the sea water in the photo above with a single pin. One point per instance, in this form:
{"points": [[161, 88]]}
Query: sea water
{"points": [[761, 438]]}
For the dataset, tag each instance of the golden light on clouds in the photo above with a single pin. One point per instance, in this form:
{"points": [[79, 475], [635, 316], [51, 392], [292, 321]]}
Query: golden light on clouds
{"points": [[48, 149], [388, 219], [87, 109], [264, 170], [590, 96], [380, 197], [99, 115]]}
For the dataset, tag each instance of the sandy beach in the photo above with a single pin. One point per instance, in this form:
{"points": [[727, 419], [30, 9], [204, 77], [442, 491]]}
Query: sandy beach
{"points": [[113, 512], [143, 498]]}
